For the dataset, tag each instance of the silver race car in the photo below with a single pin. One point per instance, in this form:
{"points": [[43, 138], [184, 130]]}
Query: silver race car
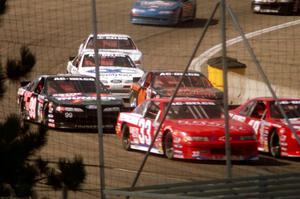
{"points": [[117, 70]]}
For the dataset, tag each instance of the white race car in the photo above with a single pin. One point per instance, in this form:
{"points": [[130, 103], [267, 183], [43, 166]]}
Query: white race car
{"points": [[115, 43], [117, 70]]}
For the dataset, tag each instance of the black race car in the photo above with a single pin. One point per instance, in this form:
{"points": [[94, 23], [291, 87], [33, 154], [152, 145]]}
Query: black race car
{"points": [[66, 101]]}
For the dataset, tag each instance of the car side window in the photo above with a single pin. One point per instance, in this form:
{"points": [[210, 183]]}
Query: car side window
{"points": [[142, 79], [141, 108], [76, 61], [259, 110], [152, 110], [246, 111], [39, 86], [147, 81]]}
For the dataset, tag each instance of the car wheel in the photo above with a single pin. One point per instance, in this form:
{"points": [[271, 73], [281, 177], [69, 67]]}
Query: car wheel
{"points": [[126, 142], [168, 145], [194, 14], [274, 145], [44, 116], [179, 18]]}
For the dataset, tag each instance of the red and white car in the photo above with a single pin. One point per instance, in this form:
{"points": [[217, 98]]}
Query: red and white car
{"points": [[193, 129], [272, 132]]}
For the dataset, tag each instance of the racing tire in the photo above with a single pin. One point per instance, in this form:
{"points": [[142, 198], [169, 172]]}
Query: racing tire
{"points": [[126, 142], [274, 145], [194, 14], [179, 20], [44, 121], [168, 145]]}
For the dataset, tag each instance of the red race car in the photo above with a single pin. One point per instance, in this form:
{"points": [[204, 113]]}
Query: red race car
{"points": [[272, 132], [193, 129]]}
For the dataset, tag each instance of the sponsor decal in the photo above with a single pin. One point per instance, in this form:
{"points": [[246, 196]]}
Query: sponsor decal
{"points": [[195, 154], [62, 97], [179, 74], [178, 152], [157, 4], [111, 109], [239, 118], [74, 78], [209, 124], [290, 102], [178, 146], [85, 126], [116, 81], [112, 37], [192, 103], [114, 71], [130, 118], [93, 107]]}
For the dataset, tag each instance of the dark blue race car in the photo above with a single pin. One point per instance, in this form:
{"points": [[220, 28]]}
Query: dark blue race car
{"points": [[162, 12]]}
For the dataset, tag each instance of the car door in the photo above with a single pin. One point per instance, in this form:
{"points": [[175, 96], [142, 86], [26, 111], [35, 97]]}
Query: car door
{"points": [[31, 99], [255, 113], [146, 125]]}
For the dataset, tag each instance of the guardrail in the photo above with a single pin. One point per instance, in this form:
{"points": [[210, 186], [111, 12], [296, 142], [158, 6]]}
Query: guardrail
{"points": [[283, 186]]}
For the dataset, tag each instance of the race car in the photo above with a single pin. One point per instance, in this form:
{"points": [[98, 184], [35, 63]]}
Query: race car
{"points": [[275, 6], [154, 84], [67, 102], [162, 12], [117, 71], [114, 43], [193, 129], [272, 132]]}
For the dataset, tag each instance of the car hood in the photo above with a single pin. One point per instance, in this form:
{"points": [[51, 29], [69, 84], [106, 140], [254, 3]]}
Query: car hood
{"points": [[112, 72], [84, 99], [211, 128], [208, 93], [155, 4]]}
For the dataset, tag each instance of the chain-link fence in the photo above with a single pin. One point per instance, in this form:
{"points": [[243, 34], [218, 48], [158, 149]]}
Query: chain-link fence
{"points": [[53, 30]]}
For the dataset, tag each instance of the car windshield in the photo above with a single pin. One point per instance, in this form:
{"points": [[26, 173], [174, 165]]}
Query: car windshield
{"points": [[195, 110], [121, 61], [112, 43], [291, 109], [171, 80], [70, 85]]}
